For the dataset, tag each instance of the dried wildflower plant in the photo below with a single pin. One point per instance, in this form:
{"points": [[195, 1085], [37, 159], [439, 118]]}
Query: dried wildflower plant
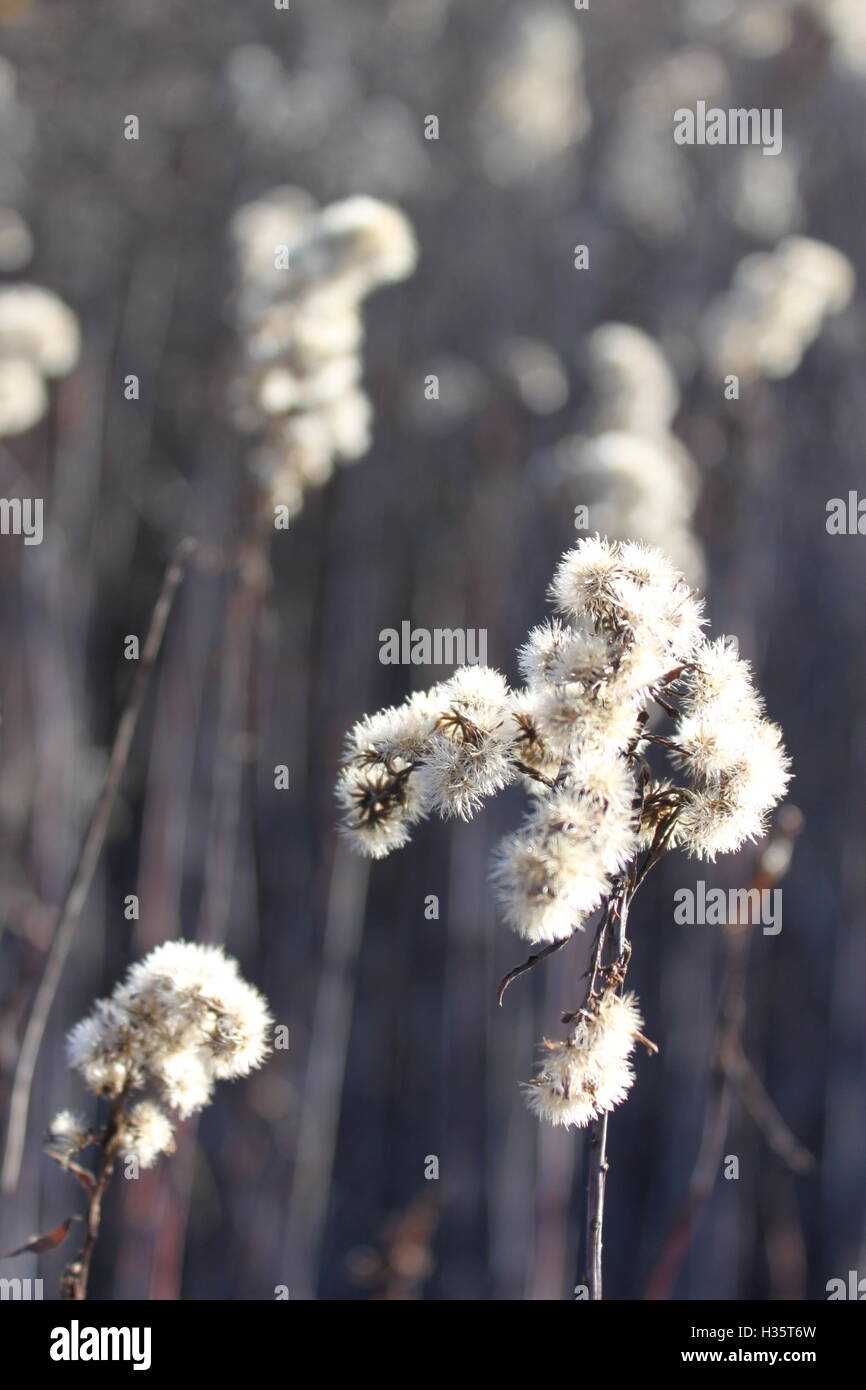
{"points": [[303, 273], [630, 636], [182, 1020]]}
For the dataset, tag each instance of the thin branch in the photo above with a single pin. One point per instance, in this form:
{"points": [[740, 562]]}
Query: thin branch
{"points": [[84, 1176], [595, 1207], [760, 1108], [528, 964], [772, 864], [73, 1281], [82, 877], [531, 772]]}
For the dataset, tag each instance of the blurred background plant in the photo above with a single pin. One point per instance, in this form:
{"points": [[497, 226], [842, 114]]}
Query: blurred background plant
{"points": [[388, 1152]]}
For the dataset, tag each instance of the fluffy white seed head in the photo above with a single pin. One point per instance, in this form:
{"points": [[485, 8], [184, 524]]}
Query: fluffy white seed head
{"points": [[358, 243], [529, 746], [582, 586], [182, 1019], [147, 1133], [776, 308], [23, 397], [379, 789], [67, 1134], [36, 324], [302, 276], [546, 887], [471, 752], [591, 1072], [727, 810], [539, 659], [380, 802], [632, 384], [555, 871], [720, 682], [577, 735], [733, 756]]}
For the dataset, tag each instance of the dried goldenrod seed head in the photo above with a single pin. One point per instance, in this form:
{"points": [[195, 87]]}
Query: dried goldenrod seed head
{"points": [[577, 735], [181, 1020], [737, 766], [146, 1134], [630, 640], [590, 1073], [633, 386], [546, 885], [358, 244], [776, 308], [67, 1134], [303, 274]]}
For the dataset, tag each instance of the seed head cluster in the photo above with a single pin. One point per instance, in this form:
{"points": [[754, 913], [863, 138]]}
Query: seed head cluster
{"points": [[582, 1078], [303, 274], [183, 1019], [575, 734], [776, 308], [628, 641]]}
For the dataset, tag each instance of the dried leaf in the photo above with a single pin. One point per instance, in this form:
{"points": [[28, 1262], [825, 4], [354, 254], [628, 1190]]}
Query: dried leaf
{"points": [[37, 1244]]}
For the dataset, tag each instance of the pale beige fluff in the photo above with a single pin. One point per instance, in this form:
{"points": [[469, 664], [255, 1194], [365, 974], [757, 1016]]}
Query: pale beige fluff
{"points": [[36, 324], [67, 1134], [303, 273], [576, 735], [775, 309], [533, 107], [632, 593], [471, 752], [39, 339], [737, 766], [443, 750], [378, 789], [182, 1019], [146, 1133], [546, 886], [555, 871], [726, 810], [586, 1076], [380, 801], [638, 480], [23, 397], [633, 386]]}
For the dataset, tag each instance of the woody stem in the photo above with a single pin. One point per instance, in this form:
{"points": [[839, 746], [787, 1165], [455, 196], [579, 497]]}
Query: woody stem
{"points": [[73, 1283]]}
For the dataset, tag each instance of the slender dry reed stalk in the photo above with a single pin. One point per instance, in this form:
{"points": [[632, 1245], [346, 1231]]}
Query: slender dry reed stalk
{"points": [[79, 887]]}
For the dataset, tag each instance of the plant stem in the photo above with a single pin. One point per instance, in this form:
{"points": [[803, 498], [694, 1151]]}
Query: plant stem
{"points": [[82, 878], [73, 1282], [595, 1207]]}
